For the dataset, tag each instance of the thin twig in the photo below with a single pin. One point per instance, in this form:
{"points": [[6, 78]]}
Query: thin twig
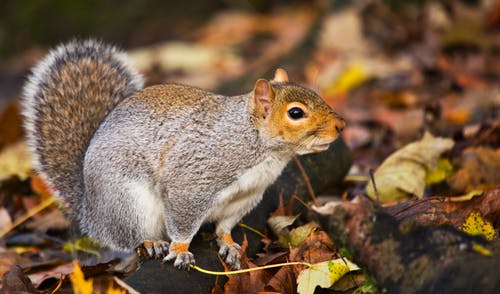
{"points": [[28, 215], [254, 230], [372, 177], [301, 202], [209, 272], [306, 180]]}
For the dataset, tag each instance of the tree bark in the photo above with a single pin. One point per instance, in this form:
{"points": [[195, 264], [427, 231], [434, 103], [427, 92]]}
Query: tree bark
{"points": [[407, 258]]}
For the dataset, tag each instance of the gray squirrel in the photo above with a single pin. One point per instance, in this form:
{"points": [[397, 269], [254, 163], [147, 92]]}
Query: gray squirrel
{"points": [[136, 165]]}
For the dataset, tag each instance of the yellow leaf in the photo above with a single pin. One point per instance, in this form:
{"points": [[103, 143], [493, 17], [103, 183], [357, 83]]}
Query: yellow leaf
{"points": [[323, 274], [444, 170], [352, 76], [475, 225], [481, 250], [84, 244], [299, 234], [15, 160], [80, 285], [465, 197], [403, 173]]}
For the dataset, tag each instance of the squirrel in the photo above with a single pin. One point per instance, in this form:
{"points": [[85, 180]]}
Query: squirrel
{"points": [[136, 165]]}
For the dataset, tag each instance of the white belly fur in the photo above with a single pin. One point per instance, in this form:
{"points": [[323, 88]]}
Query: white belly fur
{"points": [[246, 192]]}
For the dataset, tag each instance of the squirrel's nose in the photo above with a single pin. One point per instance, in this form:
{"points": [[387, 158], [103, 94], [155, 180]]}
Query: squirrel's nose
{"points": [[339, 124]]}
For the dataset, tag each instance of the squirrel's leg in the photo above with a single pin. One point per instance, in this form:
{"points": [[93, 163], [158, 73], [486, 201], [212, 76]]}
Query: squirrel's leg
{"points": [[182, 223], [229, 250]]}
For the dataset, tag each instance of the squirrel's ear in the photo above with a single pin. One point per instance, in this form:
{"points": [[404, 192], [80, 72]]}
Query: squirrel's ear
{"points": [[280, 76], [263, 95]]}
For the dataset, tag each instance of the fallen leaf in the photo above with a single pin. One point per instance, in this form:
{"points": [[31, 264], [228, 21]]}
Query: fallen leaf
{"points": [[39, 185], [349, 281], [317, 247], [476, 225], [251, 282], [5, 219], [55, 273], [83, 244], [280, 223], [479, 170], [353, 75], [8, 258], [15, 160], [403, 173], [80, 284], [444, 170], [15, 281], [284, 281], [299, 234], [466, 197], [481, 249], [10, 123], [323, 274]]}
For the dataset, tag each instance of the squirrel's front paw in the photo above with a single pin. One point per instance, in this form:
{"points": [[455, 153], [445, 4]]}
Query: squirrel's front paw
{"points": [[231, 254], [154, 249], [183, 258]]}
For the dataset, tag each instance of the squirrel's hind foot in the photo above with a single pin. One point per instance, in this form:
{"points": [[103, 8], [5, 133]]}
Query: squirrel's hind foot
{"points": [[231, 254], [229, 250], [153, 249], [183, 258]]}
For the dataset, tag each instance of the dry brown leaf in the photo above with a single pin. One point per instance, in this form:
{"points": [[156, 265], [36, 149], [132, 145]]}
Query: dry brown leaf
{"points": [[15, 281], [479, 170], [8, 259], [56, 273], [5, 219], [40, 186], [284, 281], [10, 124], [317, 247], [251, 282]]}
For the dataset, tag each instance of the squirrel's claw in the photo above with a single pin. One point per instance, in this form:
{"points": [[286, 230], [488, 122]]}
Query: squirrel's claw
{"points": [[231, 254], [183, 260], [155, 249]]}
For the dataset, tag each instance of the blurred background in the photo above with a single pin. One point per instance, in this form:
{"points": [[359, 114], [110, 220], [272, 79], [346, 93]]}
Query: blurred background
{"points": [[391, 68]]}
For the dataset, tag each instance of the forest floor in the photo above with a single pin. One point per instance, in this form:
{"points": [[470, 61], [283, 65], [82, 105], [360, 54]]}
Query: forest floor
{"points": [[418, 85]]}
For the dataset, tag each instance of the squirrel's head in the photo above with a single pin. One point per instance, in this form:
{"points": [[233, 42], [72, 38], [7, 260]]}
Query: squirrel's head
{"points": [[288, 114]]}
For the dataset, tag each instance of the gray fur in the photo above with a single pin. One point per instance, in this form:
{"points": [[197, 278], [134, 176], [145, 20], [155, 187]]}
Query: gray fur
{"points": [[135, 165]]}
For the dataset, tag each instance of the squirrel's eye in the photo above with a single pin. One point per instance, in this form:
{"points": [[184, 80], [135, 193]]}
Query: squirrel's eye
{"points": [[296, 113]]}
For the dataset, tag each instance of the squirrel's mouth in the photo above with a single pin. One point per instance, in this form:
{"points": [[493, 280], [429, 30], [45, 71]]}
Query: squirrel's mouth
{"points": [[320, 147], [315, 145]]}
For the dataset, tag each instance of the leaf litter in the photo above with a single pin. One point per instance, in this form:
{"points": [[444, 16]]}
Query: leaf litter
{"points": [[395, 86]]}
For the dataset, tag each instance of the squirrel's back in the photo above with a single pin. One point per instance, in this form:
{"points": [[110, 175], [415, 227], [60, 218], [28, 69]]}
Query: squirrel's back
{"points": [[66, 97]]}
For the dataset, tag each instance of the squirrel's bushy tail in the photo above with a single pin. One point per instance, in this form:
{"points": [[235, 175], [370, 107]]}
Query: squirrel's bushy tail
{"points": [[65, 99]]}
